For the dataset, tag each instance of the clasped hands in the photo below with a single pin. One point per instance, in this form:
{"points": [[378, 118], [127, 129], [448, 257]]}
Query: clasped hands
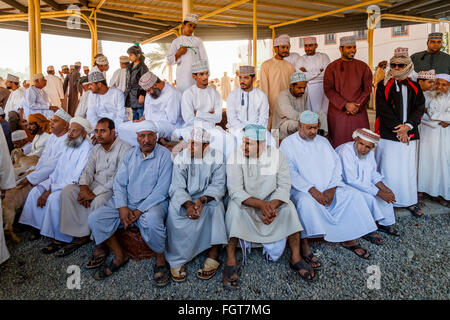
{"points": [[128, 216], [324, 198], [402, 133], [85, 196], [351, 108]]}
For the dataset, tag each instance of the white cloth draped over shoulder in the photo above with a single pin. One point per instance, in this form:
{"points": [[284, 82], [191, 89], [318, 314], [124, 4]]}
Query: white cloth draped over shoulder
{"points": [[196, 51], [192, 179], [54, 90], [434, 149], [67, 171], [362, 175], [165, 111], [314, 163]]}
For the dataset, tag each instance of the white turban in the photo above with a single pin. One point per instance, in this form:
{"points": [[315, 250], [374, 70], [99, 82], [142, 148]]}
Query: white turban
{"points": [[200, 66], [200, 135], [281, 40], [82, 122], [443, 76], [147, 125], [63, 115], [18, 135], [367, 135]]}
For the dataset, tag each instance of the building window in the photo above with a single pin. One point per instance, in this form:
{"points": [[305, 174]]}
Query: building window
{"points": [[361, 35], [301, 42], [400, 31], [330, 38]]}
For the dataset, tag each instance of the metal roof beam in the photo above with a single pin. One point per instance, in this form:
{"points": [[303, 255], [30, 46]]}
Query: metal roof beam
{"points": [[54, 5], [410, 5], [16, 5]]}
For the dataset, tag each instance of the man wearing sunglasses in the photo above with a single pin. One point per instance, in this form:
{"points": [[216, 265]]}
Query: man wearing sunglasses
{"points": [[400, 106], [433, 57]]}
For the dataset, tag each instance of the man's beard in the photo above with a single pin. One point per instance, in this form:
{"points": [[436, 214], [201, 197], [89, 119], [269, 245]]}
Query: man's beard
{"points": [[436, 94], [75, 143], [9, 87], [34, 132], [361, 157], [156, 93]]}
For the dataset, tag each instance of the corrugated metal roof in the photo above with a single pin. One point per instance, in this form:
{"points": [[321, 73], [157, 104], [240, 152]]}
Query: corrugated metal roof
{"points": [[117, 19]]}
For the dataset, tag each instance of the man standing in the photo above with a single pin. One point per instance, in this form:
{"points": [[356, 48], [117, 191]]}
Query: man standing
{"points": [[276, 75], [246, 105], [86, 70], [162, 105], [92, 190], [225, 86], [39, 127], [101, 64], [259, 210], [17, 92], [291, 103], [185, 51], [140, 197], [42, 208], [104, 102], [83, 103], [119, 77], [400, 106], [359, 170], [35, 100], [314, 64], [433, 57], [434, 154], [347, 84], [54, 88], [326, 206], [74, 89], [196, 218]]}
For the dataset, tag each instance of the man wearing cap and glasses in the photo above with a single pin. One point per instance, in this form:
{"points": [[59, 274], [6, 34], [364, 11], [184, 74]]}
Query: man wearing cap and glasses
{"points": [[104, 102], [400, 106], [291, 103], [347, 83], [185, 51], [162, 105], [433, 57], [314, 64], [35, 100], [16, 95], [276, 74], [54, 87]]}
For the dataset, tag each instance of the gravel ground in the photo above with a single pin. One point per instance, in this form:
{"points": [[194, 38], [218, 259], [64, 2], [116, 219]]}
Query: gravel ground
{"points": [[414, 266]]}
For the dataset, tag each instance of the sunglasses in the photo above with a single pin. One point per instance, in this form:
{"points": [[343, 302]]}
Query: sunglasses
{"points": [[400, 65]]}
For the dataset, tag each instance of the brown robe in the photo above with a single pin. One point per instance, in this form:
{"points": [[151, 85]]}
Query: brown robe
{"points": [[346, 81], [75, 89]]}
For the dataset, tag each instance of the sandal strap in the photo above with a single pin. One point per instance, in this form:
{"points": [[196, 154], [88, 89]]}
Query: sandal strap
{"points": [[210, 264]]}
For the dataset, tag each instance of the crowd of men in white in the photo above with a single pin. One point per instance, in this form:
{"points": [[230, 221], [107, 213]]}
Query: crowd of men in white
{"points": [[190, 186]]}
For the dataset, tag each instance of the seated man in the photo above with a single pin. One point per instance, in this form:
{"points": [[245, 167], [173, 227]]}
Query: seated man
{"points": [[20, 140], [39, 127], [359, 170], [259, 209], [15, 198], [140, 197], [246, 104], [292, 102], [162, 105], [104, 102], [92, 190], [42, 208], [201, 106], [434, 152], [196, 219], [326, 206], [35, 100]]}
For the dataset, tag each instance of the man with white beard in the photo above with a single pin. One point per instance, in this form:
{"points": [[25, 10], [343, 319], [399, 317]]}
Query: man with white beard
{"points": [[42, 208], [359, 170], [434, 152]]}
